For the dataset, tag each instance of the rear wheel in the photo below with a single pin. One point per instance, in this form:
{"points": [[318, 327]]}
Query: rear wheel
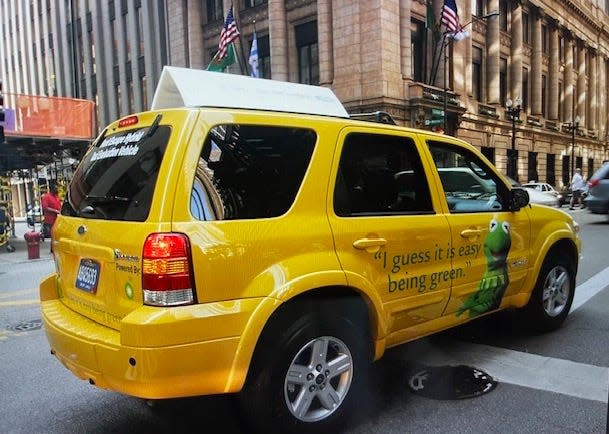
{"points": [[308, 368], [553, 294]]}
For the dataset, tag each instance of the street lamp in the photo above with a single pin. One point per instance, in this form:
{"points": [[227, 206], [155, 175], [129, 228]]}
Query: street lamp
{"points": [[513, 111], [573, 126], [447, 38]]}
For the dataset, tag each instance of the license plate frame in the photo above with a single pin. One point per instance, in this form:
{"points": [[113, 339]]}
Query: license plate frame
{"points": [[87, 277]]}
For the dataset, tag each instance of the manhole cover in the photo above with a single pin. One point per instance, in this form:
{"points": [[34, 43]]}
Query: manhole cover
{"points": [[26, 326], [450, 382]]}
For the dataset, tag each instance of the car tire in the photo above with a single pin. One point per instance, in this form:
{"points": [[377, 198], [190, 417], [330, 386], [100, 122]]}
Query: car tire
{"points": [[552, 296], [288, 389]]}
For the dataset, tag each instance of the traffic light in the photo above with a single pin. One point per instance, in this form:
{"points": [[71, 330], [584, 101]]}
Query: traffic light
{"points": [[1, 114]]}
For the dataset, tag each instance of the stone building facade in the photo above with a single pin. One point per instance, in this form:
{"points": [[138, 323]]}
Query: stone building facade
{"points": [[389, 55]]}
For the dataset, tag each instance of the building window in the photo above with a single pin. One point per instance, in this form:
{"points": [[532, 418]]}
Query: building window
{"points": [[503, 15], [502, 81], [417, 46], [264, 57], [214, 10], [525, 28], [489, 153], [532, 167], [566, 170], [477, 73], [590, 167], [525, 89], [545, 39], [308, 53], [252, 3], [561, 97], [550, 169], [561, 48], [478, 7], [544, 99]]}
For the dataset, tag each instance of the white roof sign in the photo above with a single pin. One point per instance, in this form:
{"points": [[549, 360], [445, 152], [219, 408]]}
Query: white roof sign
{"points": [[184, 87]]}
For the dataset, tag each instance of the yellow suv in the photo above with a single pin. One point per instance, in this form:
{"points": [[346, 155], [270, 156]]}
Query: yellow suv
{"points": [[249, 236]]}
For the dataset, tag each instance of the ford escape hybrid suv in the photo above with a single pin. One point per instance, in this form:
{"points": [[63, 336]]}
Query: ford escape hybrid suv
{"points": [[248, 236]]}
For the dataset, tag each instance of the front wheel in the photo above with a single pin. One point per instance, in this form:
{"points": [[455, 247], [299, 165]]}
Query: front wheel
{"points": [[307, 370], [553, 294]]}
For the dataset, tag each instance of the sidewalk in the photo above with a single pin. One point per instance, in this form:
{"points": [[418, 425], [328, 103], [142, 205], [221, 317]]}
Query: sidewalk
{"points": [[21, 251]]}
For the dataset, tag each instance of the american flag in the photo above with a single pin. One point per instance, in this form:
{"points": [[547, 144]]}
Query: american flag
{"points": [[450, 17], [229, 34]]}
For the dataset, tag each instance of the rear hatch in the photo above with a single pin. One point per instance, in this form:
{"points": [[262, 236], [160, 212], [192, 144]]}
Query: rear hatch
{"points": [[110, 210]]}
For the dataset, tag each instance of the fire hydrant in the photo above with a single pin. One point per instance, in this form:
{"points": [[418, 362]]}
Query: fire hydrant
{"points": [[32, 239]]}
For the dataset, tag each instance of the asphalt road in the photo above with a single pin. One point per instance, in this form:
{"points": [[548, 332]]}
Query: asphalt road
{"points": [[551, 383]]}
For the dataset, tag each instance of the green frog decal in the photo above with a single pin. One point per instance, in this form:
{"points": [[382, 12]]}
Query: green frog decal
{"points": [[495, 280]]}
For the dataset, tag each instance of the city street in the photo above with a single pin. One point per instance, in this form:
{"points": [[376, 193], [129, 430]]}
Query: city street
{"points": [[552, 383]]}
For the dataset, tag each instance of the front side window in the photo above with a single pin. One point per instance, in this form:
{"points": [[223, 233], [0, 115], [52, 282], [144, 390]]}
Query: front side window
{"points": [[380, 175], [250, 171], [469, 184]]}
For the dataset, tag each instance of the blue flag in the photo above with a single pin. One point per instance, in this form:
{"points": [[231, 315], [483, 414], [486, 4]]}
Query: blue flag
{"points": [[253, 60]]}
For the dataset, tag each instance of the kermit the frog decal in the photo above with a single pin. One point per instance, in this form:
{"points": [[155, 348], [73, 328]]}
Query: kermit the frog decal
{"points": [[495, 280]]}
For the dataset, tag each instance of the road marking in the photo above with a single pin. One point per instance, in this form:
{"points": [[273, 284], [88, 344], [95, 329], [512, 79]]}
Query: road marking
{"points": [[19, 302], [530, 370], [590, 288], [15, 293]]}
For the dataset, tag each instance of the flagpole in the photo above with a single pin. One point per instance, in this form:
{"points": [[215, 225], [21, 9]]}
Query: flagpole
{"points": [[242, 54]]}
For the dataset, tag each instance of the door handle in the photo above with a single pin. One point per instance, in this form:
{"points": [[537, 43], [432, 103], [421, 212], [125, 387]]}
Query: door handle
{"points": [[471, 233], [369, 244]]}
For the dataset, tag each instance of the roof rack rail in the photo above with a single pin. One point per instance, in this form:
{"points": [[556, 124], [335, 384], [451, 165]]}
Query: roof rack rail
{"points": [[377, 116]]}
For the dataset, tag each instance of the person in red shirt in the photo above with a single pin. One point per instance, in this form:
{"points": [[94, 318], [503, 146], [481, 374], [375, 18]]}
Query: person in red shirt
{"points": [[51, 207]]}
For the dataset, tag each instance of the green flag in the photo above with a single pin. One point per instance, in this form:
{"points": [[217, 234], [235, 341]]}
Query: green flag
{"points": [[219, 65]]}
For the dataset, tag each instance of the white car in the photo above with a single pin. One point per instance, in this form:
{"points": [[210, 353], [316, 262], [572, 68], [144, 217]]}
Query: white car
{"points": [[542, 186], [541, 192]]}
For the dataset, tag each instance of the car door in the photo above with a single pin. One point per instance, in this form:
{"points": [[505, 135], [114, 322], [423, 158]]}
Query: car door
{"points": [[489, 243], [388, 235]]}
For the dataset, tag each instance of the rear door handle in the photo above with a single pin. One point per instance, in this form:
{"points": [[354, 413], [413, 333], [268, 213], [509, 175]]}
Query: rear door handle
{"points": [[369, 244], [471, 233]]}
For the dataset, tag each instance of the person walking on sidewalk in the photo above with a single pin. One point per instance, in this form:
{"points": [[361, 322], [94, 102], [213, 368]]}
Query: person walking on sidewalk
{"points": [[51, 207], [577, 188]]}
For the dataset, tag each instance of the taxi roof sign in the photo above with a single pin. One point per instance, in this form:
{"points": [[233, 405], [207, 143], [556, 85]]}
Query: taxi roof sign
{"points": [[185, 87]]}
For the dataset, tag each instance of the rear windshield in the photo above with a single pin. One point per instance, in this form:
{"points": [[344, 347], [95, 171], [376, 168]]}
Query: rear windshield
{"points": [[116, 179], [250, 171]]}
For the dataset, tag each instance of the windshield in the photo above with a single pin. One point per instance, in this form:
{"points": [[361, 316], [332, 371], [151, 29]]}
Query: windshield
{"points": [[116, 179]]}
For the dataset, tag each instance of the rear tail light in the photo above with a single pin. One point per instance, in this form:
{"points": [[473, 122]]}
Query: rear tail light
{"points": [[593, 183], [167, 278]]}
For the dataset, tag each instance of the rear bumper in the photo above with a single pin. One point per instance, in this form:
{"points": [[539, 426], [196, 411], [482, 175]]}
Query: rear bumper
{"points": [[95, 352], [597, 205]]}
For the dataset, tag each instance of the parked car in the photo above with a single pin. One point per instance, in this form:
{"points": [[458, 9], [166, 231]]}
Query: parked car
{"points": [[541, 186], [539, 196], [33, 215], [275, 246], [597, 200]]}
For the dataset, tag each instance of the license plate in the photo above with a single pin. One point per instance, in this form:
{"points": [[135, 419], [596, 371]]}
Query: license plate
{"points": [[88, 275]]}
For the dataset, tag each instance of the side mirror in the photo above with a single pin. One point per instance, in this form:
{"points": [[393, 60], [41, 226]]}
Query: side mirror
{"points": [[519, 198]]}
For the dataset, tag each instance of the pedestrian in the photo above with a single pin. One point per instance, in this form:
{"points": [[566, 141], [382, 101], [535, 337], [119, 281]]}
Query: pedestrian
{"points": [[577, 188], [51, 207]]}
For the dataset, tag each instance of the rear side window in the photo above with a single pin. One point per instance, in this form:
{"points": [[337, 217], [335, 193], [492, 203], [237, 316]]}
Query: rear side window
{"points": [[116, 179], [250, 171]]}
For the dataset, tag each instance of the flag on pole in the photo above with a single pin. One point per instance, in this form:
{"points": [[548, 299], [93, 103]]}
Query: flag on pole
{"points": [[450, 18], [253, 60], [219, 65], [228, 35]]}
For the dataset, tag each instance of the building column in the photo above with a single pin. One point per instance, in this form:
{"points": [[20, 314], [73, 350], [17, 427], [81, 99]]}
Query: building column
{"points": [[278, 39], [569, 102], [581, 93], [516, 53], [405, 38], [592, 108], [493, 47], [553, 74], [602, 97], [536, 56], [326, 43]]}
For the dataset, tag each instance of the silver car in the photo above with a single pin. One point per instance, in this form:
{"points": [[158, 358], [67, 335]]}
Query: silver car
{"points": [[597, 200]]}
